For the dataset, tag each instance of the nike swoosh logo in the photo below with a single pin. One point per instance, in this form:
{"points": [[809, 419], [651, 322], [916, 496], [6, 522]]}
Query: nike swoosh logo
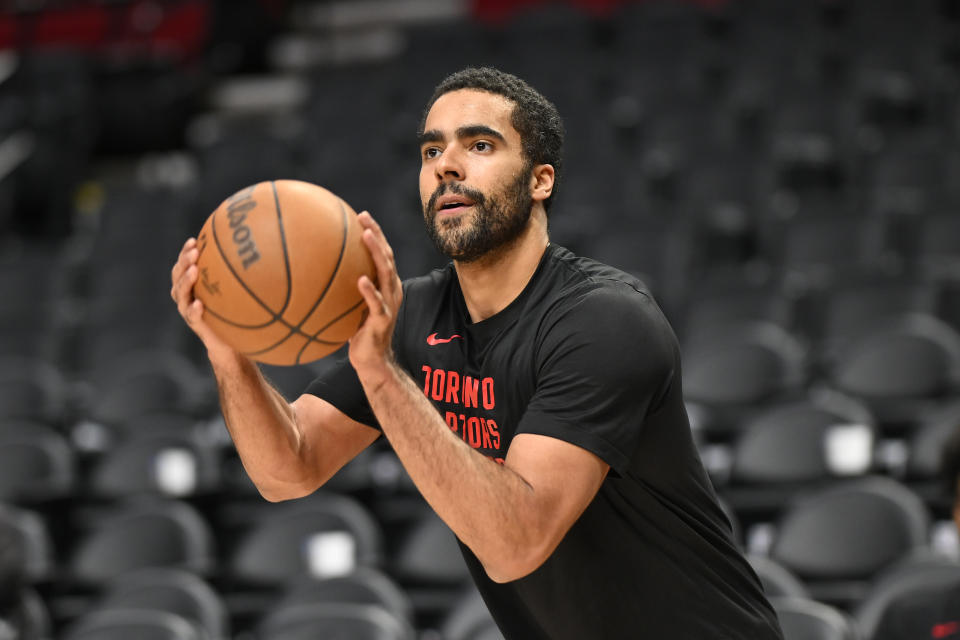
{"points": [[433, 340]]}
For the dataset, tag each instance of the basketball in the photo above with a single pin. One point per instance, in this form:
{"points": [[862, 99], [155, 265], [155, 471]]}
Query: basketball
{"points": [[278, 268]]}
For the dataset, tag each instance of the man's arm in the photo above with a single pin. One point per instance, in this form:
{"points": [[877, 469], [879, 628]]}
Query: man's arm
{"points": [[512, 516], [287, 449]]}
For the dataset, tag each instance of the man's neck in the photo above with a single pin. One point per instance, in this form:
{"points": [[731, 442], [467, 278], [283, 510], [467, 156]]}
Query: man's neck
{"points": [[495, 280]]}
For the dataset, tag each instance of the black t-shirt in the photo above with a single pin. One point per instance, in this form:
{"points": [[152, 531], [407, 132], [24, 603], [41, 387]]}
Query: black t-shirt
{"points": [[927, 612], [584, 355]]}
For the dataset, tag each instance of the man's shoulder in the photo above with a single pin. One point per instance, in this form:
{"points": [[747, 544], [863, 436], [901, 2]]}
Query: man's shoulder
{"points": [[587, 286], [435, 280], [588, 274]]}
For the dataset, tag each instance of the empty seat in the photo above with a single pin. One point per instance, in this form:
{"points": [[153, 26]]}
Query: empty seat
{"points": [[899, 366], [741, 368], [798, 445], [142, 533], [429, 565], [147, 381], [322, 535], [916, 572], [469, 619], [852, 305], [837, 539], [157, 463], [807, 619], [340, 620], [364, 585], [124, 624], [777, 580], [172, 590], [31, 389], [30, 535], [37, 463]]}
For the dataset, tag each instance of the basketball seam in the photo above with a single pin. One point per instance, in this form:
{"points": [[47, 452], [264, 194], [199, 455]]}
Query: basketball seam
{"points": [[314, 337], [296, 329], [277, 317]]}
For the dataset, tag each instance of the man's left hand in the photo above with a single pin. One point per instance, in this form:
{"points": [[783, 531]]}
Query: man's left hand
{"points": [[371, 352]]}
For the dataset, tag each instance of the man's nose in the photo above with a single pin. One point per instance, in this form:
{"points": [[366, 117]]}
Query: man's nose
{"points": [[449, 165]]}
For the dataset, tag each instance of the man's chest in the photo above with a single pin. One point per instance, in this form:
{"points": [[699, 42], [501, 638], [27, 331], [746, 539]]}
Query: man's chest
{"points": [[480, 389]]}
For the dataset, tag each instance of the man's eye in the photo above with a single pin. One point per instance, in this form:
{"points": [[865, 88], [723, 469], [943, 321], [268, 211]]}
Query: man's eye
{"points": [[481, 145], [431, 152]]}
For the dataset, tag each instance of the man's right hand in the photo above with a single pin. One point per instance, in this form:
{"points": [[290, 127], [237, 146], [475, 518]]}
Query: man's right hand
{"points": [[183, 277]]}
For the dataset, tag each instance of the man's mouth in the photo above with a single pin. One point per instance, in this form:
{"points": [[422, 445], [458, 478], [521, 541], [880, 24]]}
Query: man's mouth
{"points": [[453, 204]]}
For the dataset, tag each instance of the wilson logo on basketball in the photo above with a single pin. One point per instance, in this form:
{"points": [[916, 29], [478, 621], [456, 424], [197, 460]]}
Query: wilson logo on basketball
{"points": [[237, 210]]}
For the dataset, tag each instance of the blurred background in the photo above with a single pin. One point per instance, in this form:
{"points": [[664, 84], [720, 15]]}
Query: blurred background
{"points": [[785, 176]]}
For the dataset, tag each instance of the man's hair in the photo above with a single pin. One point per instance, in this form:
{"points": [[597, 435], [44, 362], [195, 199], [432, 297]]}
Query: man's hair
{"points": [[534, 117], [950, 465]]}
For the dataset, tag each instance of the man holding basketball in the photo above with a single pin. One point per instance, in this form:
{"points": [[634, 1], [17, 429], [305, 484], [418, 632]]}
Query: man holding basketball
{"points": [[533, 396]]}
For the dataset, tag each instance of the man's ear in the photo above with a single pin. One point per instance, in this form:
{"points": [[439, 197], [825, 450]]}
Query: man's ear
{"points": [[541, 182]]}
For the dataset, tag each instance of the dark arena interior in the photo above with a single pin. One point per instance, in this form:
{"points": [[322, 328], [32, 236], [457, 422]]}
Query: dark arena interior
{"points": [[784, 175]]}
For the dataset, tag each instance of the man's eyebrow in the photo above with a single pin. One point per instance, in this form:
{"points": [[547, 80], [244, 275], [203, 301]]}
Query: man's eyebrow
{"points": [[479, 130], [466, 131], [433, 135]]}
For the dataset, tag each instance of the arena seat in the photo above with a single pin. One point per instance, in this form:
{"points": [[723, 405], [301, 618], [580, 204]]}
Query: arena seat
{"points": [[37, 463], [777, 580], [141, 533], [123, 624], [169, 464], [837, 539], [336, 620], [919, 570], [796, 446], [321, 535], [807, 619], [364, 585], [175, 591], [900, 367], [39, 551], [732, 373], [33, 389], [469, 619]]}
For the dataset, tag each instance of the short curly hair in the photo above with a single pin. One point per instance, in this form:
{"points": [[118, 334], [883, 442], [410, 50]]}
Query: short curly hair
{"points": [[534, 117]]}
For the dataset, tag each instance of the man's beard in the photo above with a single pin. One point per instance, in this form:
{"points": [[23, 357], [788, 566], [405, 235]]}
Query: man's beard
{"points": [[497, 220]]}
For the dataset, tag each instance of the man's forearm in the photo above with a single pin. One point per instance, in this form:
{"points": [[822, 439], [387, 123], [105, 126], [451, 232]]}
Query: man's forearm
{"points": [[262, 425], [489, 518]]}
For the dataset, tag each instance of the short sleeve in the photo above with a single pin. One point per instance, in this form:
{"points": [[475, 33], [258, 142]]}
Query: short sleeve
{"points": [[338, 384], [604, 363]]}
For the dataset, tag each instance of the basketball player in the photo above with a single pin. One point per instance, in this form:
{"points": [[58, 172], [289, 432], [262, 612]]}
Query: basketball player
{"points": [[533, 396], [932, 611]]}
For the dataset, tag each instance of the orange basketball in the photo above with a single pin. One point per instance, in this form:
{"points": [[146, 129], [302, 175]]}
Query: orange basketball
{"points": [[279, 263]]}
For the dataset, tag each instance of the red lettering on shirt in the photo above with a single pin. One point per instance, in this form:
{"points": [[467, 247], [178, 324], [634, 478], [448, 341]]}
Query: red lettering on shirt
{"points": [[945, 629], [471, 391], [426, 379], [453, 387], [473, 432], [494, 433], [439, 375]]}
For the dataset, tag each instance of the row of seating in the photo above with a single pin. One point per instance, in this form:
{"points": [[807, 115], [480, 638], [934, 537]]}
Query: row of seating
{"points": [[851, 547]]}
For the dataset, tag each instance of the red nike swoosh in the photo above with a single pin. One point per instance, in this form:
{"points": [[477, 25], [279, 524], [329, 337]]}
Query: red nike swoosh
{"points": [[945, 629], [433, 340]]}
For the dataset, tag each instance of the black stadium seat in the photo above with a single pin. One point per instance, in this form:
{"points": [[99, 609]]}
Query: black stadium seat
{"points": [[175, 591], [839, 538], [918, 571], [806, 619]]}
